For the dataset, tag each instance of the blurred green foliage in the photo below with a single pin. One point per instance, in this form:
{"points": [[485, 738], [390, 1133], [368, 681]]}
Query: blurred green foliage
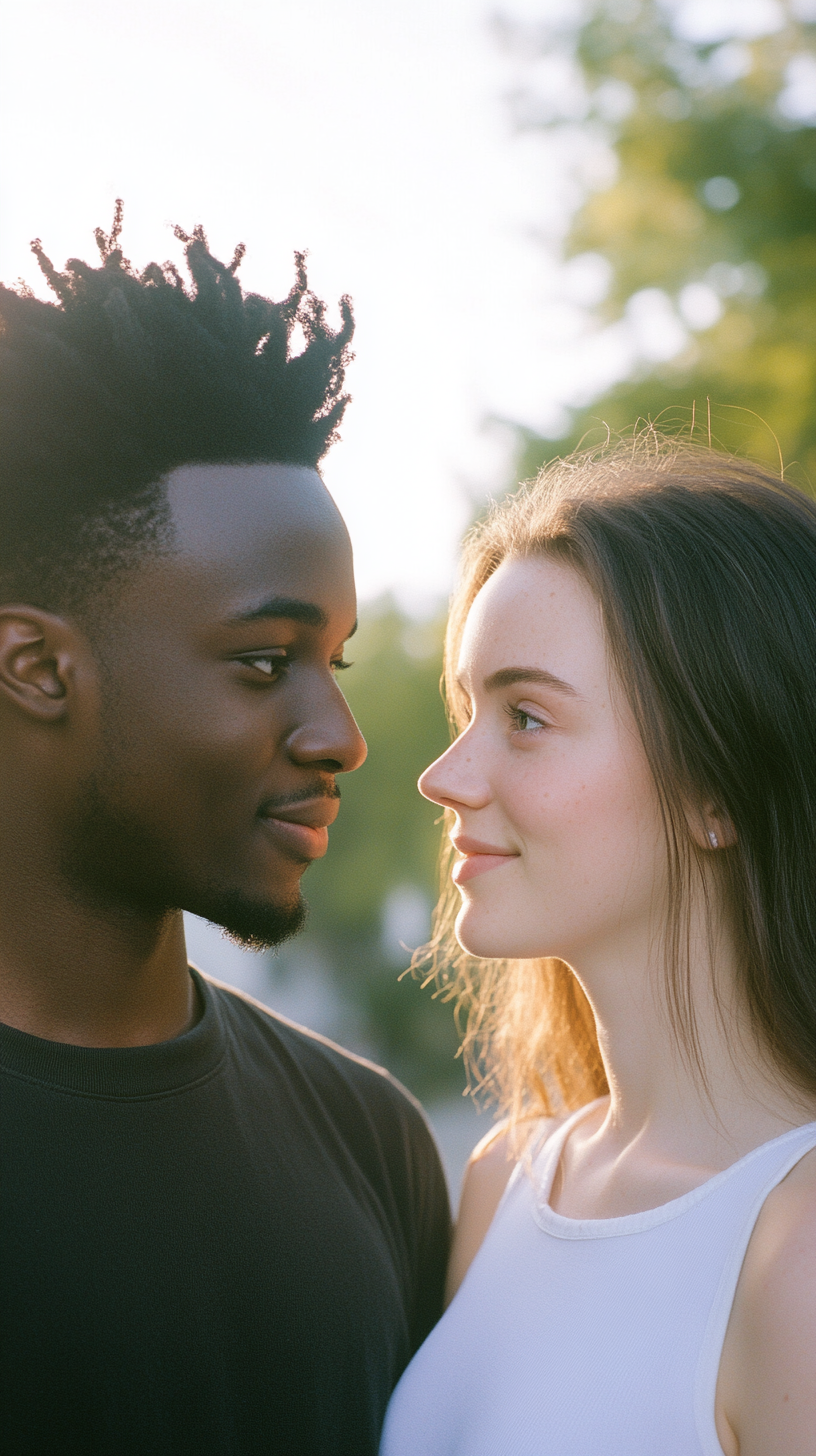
{"points": [[715, 187]]}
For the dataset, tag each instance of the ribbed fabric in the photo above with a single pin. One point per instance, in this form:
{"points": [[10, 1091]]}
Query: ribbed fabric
{"points": [[588, 1337], [120, 1072]]}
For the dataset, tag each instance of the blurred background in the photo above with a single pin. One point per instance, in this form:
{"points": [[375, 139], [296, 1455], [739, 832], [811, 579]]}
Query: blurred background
{"points": [[554, 217]]}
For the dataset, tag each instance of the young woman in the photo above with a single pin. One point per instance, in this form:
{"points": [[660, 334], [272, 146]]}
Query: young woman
{"points": [[632, 809]]}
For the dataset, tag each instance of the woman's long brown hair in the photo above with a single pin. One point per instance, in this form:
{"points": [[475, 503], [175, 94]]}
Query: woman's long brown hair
{"points": [[705, 568]]}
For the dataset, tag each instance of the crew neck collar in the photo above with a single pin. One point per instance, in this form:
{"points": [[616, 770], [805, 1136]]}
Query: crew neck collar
{"points": [[120, 1072], [546, 1159]]}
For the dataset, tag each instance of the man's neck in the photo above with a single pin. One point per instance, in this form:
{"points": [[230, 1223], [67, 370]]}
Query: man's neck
{"points": [[93, 978]]}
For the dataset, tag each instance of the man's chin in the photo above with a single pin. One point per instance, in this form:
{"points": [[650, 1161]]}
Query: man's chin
{"points": [[253, 924]]}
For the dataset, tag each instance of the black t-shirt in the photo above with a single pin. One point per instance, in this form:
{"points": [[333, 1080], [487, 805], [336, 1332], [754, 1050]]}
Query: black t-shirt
{"points": [[228, 1244]]}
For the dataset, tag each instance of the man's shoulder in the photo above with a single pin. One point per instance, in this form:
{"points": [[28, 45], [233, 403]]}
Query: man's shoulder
{"points": [[317, 1057], [366, 1120]]}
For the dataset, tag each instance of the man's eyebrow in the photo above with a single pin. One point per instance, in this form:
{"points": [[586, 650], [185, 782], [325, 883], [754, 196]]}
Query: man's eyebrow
{"points": [[506, 676], [289, 608]]}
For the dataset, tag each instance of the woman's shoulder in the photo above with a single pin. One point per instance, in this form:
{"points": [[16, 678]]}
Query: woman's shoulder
{"points": [[766, 1373], [487, 1174]]}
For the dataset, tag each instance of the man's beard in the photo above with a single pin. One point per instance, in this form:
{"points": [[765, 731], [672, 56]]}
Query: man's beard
{"points": [[115, 862], [253, 924]]}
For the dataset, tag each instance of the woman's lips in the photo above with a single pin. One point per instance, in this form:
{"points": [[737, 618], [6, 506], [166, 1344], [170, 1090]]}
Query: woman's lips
{"points": [[477, 862]]}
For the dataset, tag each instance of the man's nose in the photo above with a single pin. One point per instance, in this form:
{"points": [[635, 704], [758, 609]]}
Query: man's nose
{"points": [[328, 736]]}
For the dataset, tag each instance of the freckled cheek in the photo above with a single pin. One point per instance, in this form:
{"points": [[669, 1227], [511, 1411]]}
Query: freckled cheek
{"points": [[582, 810]]}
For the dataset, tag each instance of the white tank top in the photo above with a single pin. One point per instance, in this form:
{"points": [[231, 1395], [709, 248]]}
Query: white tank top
{"points": [[588, 1337]]}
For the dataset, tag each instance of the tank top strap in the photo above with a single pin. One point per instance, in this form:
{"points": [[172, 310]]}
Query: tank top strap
{"points": [[754, 1177], [541, 1153]]}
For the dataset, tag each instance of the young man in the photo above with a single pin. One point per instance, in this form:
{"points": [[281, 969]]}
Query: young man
{"points": [[221, 1234]]}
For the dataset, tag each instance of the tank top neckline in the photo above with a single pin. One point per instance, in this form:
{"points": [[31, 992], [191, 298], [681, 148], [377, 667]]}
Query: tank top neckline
{"points": [[545, 1163]]}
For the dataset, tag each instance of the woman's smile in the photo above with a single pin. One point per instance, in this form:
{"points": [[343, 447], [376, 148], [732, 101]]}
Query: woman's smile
{"points": [[477, 858]]}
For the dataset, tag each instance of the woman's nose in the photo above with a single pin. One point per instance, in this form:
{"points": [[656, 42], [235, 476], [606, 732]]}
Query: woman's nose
{"points": [[454, 779]]}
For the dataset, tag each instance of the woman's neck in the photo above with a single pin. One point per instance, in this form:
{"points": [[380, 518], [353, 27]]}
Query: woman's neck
{"points": [[679, 1110]]}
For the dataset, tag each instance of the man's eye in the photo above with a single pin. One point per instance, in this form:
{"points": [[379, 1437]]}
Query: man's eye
{"points": [[268, 663]]}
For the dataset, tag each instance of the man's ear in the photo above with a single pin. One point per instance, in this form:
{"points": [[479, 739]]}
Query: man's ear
{"points": [[38, 660]]}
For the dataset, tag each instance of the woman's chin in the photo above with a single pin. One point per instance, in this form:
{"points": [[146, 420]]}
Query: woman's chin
{"points": [[480, 936], [478, 939]]}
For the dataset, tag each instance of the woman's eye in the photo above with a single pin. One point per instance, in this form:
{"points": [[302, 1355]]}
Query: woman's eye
{"points": [[340, 665], [525, 722]]}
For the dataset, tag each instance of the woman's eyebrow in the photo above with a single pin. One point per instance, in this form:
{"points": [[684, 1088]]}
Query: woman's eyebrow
{"points": [[506, 676]]}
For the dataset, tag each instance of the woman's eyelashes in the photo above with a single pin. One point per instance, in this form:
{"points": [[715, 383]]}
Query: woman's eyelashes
{"points": [[525, 721]]}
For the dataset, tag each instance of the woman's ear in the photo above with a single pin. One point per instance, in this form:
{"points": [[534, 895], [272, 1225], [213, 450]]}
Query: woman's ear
{"points": [[37, 661], [711, 828]]}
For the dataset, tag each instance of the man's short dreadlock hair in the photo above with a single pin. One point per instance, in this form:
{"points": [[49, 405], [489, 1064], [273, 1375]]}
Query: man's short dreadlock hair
{"points": [[130, 375]]}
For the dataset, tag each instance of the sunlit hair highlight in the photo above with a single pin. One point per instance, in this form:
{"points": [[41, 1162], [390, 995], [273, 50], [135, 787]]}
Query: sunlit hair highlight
{"points": [[705, 569]]}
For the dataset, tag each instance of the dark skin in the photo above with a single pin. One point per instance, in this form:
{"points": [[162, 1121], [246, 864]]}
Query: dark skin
{"points": [[177, 750]]}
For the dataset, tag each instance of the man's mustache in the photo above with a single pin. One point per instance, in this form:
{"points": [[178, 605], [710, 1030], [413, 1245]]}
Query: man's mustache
{"points": [[318, 790]]}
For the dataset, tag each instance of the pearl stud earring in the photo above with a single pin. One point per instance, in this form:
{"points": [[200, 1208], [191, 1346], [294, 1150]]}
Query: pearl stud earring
{"points": [[713, 840]]}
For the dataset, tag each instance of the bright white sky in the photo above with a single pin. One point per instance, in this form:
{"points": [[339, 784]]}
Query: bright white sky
{"points": [[374, 134]]}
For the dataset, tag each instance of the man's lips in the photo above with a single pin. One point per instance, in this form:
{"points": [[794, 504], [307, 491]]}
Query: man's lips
{"points": [[477, 858], [301, 829]]}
